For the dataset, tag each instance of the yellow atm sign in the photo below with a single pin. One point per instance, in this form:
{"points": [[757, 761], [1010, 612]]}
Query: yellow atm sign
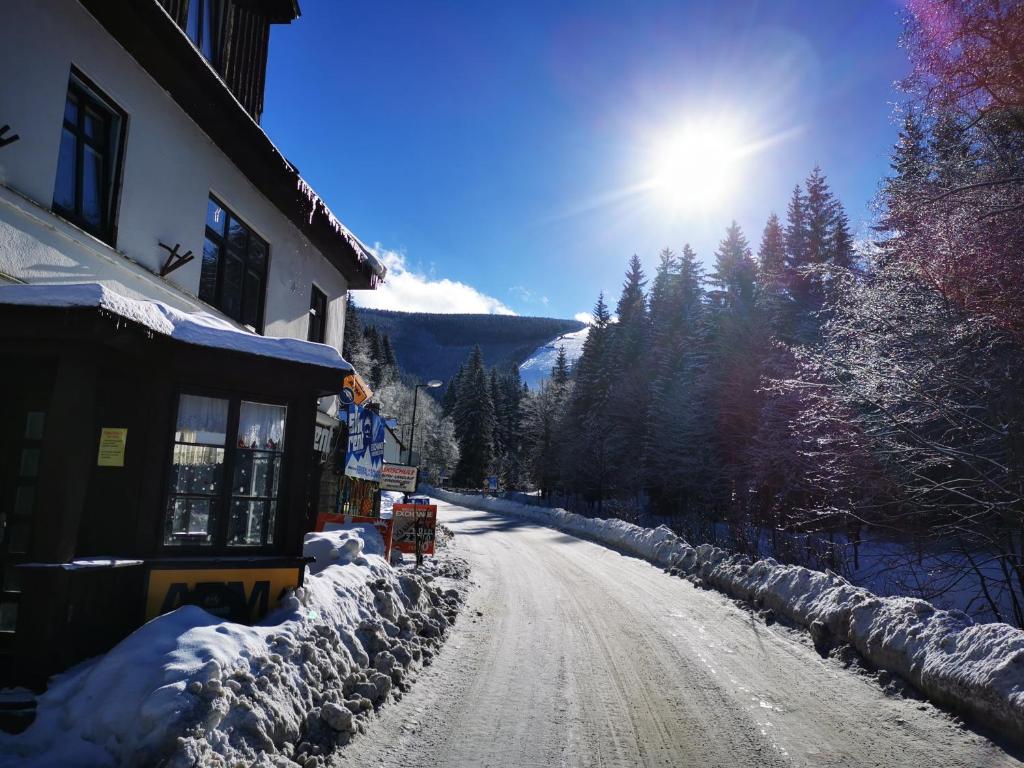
{"points": [[258, 589]]}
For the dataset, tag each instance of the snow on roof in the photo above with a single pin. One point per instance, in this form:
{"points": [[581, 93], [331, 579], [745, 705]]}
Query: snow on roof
{"points": [[199, 328], [317, 205]]}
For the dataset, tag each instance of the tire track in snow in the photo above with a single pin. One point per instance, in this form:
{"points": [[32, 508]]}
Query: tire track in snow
{"points": [[585, 657]]}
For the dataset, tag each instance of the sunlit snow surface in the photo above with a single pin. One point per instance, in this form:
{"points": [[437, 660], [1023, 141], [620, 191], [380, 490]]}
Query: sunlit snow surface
{"points": [[537, 368], [199, 328]]}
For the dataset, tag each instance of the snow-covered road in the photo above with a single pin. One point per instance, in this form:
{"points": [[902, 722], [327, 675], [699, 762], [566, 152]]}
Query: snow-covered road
{"points": [[570, 654]]}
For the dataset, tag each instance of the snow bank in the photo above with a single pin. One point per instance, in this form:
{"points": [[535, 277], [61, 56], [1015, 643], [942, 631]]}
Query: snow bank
{"points": [[188, 689], [975, 668], [198, 328], [342, 545]]}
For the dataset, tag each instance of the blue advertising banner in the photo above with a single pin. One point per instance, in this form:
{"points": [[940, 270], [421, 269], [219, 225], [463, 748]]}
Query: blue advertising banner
{"points": [[365, 456]]}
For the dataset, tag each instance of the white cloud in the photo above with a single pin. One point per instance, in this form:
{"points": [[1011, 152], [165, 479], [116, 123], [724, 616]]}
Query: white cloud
{"points": [[588, 318], [408, 290]]}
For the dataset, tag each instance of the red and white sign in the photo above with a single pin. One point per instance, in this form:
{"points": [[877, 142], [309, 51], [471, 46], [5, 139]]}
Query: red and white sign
{"points": [[398, 477], [412, 521]]}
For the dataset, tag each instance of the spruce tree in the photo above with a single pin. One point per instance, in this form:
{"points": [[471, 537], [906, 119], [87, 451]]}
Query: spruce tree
{"points": [[910, 166], [677, 446], [560, 370], [773, 296], [840, 239], [451, 393], [585, 451], [820, 217], [388, 352], [734, 273], [474, 419], [627, 358], [796, 243], [353, 333], [734, 368]]}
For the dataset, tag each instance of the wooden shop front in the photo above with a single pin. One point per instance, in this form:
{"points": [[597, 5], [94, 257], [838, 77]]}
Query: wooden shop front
{"points": [[143, 468]]}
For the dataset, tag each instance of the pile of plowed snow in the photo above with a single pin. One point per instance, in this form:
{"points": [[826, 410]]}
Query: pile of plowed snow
{"points": [[975, 668], [188, 689]]}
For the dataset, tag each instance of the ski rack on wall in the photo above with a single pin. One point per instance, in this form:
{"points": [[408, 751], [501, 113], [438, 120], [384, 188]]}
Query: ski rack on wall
{"points": [[4, 139], [174, 259]]}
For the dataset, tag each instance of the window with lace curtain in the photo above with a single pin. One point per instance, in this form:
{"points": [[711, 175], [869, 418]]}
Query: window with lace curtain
{"points": [[225, 473]]}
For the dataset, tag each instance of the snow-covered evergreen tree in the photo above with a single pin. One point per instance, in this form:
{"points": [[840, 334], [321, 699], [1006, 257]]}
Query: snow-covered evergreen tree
{"points": [[628, 355], [474, 424]]}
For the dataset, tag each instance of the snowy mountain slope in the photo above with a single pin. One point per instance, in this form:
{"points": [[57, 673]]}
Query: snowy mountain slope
{"points": [[537, 367], [433, 346]]}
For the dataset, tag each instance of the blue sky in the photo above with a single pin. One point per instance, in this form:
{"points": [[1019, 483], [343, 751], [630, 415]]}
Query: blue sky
{"points": [[493, 151]]}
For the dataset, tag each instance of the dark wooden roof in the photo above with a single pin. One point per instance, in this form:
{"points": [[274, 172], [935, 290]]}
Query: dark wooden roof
{"points": [[149, 33]]}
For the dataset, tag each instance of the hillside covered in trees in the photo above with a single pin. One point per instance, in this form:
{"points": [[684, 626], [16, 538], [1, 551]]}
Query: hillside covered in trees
{"points": [[432, 346]]}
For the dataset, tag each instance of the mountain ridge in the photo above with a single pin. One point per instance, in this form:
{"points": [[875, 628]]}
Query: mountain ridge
{"points": [[433, 345]]}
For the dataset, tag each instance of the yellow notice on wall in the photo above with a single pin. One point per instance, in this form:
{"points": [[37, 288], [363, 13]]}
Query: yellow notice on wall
{"points": [[112, 441]]}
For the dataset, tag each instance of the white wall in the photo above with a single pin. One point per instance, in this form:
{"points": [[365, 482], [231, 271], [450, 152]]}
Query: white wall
{"points": [[170, 168]]}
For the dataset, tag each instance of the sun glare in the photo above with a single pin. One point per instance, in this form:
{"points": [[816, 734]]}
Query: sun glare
{"points": [[695, 166]]}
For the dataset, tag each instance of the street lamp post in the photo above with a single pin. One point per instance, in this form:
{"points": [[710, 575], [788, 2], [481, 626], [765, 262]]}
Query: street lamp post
{"points": [[432, 384]]}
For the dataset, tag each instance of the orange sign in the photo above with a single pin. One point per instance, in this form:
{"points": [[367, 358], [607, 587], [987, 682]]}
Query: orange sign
{"points": [[355, 390]]}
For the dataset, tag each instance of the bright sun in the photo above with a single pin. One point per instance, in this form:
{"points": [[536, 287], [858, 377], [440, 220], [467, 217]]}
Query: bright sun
{"points": [[695, 166]]}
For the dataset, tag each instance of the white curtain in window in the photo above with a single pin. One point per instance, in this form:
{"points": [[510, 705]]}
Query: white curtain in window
{"points": [[261, 425], [202, 420]]}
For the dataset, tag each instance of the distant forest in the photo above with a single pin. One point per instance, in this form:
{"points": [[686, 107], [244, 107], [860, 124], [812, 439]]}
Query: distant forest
{"points": [[433, 346]]}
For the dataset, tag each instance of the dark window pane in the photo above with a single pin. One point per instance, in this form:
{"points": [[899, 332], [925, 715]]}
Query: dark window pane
{"points": [[251, 300], [237, 288], [197, 469], [191, 521], [245, 528], [215, 217], [71, 109], [238, 235], [271, 514], [83, 189], [29, 462], [64, 191], [192, 21], [258, 255], [18, 537], [8, 616], [24, 498], [95, 126], [206, 46], [231, 291], [12, 579], [34, 421], [256, 473], [208, 276], [92, 187], [317, 316]]}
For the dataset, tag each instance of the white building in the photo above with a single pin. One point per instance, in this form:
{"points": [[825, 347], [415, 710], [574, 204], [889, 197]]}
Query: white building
{"points": [[131, 156], [138, 132]]}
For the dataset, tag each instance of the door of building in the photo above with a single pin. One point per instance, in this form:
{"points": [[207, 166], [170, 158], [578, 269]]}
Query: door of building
{"points": [[22, 422]]}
